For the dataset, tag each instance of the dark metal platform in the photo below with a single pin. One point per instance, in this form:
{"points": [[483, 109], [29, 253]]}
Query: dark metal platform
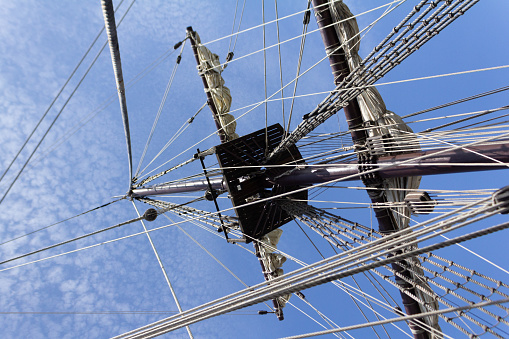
{"points": [[248, 179]]}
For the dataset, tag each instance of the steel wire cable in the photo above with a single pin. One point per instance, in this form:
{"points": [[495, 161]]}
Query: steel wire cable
{"points": [[346, 253], [273, 290], [372, 70], [55, 98], [256, 105], [159, 111], [476, 96], [59, 113], [348, 328], [320, 225], [61, 221]]}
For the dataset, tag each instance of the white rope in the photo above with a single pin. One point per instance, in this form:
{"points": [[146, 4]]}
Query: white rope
{"points": [[377, 84], [232, 302], [439, 225], [280, 60], [404, 318], [443, 75], [106, 103], [162, 268], [313, 319], [294, 14], [254, 106], [56, 97], [236, 277], [456, 115], [175, 136], [471, 252], [159, 111], [267, 199]]}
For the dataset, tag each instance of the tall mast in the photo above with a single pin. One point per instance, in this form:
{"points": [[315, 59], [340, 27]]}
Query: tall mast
{"points": [[386, 222], [210, 100], [219, 100]]}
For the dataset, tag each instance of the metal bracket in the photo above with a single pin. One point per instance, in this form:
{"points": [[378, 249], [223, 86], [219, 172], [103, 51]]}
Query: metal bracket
{"points": [[223, 228], [502, 197]]}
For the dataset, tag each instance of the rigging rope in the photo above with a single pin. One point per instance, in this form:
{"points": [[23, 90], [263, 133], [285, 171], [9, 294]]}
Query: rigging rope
{"points": [[281, 195], [155, 176], [265, 81], [56, 97], [381, 60], [440, 226], [163, 269], [408, 317], [71, 240], [300, 280], [305, 22], [70, 132], [477, 96], [342, 284], [158, 115], [143, 217], [296, 37], [195, 222], [280, 61], [238, 29], [334, 229], [59, 113], [233, 25], [177, 134], [59, 222], [256, 105]]}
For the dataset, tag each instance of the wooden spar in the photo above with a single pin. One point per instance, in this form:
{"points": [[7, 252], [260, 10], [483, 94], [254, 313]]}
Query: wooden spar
{"points": [[422, 163], [222, 133], [430, 162], [210, 101], [386, 222]]}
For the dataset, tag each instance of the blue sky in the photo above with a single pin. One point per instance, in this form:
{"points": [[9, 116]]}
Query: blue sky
{"points": [[40, 44]]}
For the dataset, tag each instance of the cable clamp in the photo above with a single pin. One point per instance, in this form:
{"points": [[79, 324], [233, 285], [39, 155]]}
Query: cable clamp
{"points": [[501, 198]]}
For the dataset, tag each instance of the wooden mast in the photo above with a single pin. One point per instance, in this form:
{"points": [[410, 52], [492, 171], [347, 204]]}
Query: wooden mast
{"points": [[210, 101], [386, 221]]}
